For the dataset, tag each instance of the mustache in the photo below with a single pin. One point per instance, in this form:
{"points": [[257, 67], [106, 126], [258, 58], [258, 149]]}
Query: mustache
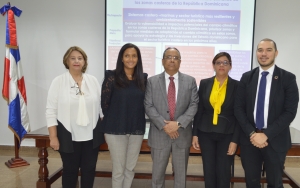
{"points": [[266, 65]]}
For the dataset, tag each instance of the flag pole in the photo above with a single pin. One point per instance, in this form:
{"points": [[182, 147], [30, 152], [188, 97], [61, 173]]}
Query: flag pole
{"points": [[13, 90], [16, 161]]}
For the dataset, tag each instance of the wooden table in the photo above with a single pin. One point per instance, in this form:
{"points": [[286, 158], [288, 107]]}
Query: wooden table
{"points": [[42, 142]]}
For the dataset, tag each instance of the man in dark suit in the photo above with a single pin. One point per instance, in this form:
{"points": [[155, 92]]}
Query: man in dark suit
{"points": [[170, 102], [266, 104]]}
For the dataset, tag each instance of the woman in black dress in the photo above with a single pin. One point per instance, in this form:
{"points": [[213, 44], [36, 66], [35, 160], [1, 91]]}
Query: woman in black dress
{"points": [[122, 102]]}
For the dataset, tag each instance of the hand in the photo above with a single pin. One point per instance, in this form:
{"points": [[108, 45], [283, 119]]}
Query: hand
{"points": [[195, 143], [259, 140], [54, 143], [232, 148], [173, 135], [170, 127], [262, 145]]}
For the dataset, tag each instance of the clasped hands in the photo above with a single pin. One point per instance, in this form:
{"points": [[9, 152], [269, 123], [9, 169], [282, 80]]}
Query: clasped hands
{"points": [[171, 128], [259, 140]]}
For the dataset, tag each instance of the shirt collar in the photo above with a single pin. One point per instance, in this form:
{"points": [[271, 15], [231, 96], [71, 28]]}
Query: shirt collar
{"points": [[175, 76], [270, 70]]}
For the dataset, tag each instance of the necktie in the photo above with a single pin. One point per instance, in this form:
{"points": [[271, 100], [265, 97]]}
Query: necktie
{"points": [[261, 101], [171, 98]]}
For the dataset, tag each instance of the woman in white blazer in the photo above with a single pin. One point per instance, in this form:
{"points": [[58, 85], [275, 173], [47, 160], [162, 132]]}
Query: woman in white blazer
{"points": [[73, 119]]}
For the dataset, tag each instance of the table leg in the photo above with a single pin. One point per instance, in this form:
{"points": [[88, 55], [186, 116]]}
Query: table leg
{"points": [[43, 181]]}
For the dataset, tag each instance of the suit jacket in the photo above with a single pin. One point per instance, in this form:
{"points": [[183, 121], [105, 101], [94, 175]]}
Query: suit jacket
{"points": [[156, 107], [283, 104], [227, 123]]}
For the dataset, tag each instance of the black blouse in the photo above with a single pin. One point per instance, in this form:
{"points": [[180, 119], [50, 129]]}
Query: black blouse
{"points": [[123, 108]]}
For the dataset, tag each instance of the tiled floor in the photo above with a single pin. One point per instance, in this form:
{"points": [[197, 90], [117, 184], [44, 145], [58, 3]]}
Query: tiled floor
{"points": [[26, 177]]}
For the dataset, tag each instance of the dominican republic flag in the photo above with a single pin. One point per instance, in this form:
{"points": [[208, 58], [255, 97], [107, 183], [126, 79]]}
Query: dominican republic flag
{"points": [[14, 91]]}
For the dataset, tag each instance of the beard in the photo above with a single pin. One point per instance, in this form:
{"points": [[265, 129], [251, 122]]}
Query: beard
{"points": [[267, 65]]}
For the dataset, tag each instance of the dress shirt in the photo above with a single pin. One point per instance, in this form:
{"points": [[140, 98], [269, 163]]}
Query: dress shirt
{"points": [[167, 78], [62, 105], [267, 96]]}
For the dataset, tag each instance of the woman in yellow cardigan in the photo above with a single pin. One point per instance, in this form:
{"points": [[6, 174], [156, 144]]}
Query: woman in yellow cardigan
{"points": [[215, 129]]}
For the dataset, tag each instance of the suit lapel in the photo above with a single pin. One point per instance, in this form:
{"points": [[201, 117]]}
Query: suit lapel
{"points": [[253, 86], [180, 87], [162, 84], [229, 90], [180, 93], [209, 85], [275, 81]]}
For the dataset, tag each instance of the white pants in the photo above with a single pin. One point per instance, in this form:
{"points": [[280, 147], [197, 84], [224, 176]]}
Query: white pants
{"points": [[124, 152]]}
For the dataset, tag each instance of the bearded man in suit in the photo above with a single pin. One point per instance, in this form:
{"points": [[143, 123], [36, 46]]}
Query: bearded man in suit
{"points": [[170, 102], [266, 104]]}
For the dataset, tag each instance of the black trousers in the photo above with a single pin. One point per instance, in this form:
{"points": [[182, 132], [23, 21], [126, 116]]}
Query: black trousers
{"points": [[216, 162], [252, 160], [84, 158]]}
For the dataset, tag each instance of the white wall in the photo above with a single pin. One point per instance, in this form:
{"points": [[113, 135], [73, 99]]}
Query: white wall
{"points": [[280, 21], [46, 29]]}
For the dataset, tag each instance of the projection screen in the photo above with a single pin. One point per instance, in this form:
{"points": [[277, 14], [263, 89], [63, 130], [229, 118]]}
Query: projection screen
{"points": [[199, 29]]}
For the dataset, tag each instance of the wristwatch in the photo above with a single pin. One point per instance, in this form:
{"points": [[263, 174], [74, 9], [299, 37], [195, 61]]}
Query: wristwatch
{"points": [[179, 124], [251, 133]]}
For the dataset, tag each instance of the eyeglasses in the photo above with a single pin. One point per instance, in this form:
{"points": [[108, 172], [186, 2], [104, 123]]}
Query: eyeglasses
{"points": [[169, 58], [76, 59], [225, 63], [78, 91]]}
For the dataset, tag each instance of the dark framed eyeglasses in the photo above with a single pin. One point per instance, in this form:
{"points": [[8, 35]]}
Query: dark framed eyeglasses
{"points": [[169, 58], [78, 91], [225, 63]]}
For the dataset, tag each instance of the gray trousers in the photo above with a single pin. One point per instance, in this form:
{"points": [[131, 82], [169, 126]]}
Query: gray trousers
{"points": [[124, 152], [160, 158]]}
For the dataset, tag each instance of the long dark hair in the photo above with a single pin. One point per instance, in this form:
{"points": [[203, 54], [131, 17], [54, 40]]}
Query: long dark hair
{"points": [[120, 75]]}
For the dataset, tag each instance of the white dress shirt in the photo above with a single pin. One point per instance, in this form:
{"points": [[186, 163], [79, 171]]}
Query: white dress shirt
{"points": [[267, 94]]}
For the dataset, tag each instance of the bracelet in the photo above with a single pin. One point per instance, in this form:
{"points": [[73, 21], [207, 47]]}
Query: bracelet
{"points": [[251, 133]]}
